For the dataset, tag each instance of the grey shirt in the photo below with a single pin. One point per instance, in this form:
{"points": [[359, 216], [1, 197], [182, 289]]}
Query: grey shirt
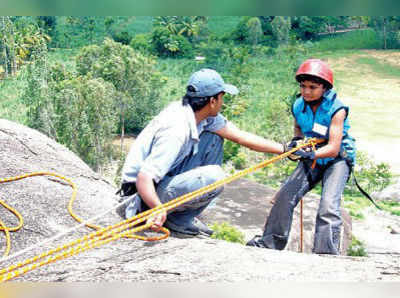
{"points": [[166, 141]]}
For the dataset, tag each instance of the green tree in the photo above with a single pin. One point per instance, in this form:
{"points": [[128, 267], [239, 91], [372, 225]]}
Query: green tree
{"points": [[132, 74], [77, 111], [19, 37], [173, 35], [35, 95], [254, 30], [82, 114], [387, 28], [281, 29], [7, 47], [117, 28]]}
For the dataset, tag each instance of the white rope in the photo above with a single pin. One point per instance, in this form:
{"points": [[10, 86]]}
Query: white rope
{"points": [[73, 229]]}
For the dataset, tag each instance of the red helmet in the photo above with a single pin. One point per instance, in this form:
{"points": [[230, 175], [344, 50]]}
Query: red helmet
{"points": [[317, 68]]}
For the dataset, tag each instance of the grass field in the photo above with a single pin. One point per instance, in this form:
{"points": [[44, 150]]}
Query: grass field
{"points": [[369, 82]]}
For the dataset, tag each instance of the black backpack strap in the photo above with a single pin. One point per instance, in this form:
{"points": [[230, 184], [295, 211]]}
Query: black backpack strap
{"points": [[362, 190]]}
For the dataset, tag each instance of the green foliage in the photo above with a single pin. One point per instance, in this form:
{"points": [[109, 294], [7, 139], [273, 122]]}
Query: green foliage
{"points": [[392, 207], [275, 174], [117, 28], [387, 28], [121, 161], [281, 29], [307, 27], [221, 25], [78, 112], [355, 204], [247, 31], [382, 68], [356, 248], [169, 44], [82, 115], [78, 31], [35, 93], [370, 175], [132, 74], [142, 43], [10, 91], [227, 232], [47, 23], [358, 39], [19, 37], [172, 36], [254, 31], [232, 153]]}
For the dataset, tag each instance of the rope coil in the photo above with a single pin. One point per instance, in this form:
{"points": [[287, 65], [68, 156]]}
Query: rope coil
{"points": [[122, 229]]}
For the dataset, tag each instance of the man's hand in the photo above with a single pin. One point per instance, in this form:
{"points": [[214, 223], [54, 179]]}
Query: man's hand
{"points": [[157, 220], [296, 141]]}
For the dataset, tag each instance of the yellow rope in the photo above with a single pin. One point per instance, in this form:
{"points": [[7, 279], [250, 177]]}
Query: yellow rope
{"points": [[122, 229]]}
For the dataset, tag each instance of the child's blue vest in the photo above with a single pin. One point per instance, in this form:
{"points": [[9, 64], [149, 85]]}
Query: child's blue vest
{"points": [[318, 124]]}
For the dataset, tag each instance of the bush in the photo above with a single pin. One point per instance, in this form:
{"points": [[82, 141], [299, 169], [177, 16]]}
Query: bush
{"points": [[249, 30], [356, 248], [142, 43], [123, 37], [225, 231], [167, 44], [371, 176]]}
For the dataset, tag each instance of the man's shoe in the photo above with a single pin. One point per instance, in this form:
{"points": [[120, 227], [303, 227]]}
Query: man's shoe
{"points": [[203, 228], [187, 229], [257, 242], [193, 228]]}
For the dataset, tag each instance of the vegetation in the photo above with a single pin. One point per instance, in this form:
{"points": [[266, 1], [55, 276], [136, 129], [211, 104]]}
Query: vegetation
{"points": [[360, 39], [127, 68], [356, 248], [133, 76], [227, 232]]}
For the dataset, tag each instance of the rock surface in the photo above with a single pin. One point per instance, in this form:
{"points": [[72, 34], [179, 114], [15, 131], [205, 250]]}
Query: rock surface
{"points": [[43, 201], [245, 204], [391, 193]]}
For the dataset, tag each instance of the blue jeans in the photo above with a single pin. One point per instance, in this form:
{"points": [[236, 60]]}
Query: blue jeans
{"points": [[196, 171], [328, 223]]}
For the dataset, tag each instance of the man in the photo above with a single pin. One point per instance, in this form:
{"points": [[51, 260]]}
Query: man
{"points": [[180, 151]]}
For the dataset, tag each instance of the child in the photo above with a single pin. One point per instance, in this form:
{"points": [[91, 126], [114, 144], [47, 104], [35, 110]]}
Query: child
{"points": [[317, 113]]}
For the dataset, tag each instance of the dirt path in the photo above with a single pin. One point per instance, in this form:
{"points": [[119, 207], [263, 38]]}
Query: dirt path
{"points": [[374, 104]]}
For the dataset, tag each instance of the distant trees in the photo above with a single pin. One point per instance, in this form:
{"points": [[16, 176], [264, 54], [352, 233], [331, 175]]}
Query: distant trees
{"points": [[8, 55], [81, 109], [388, 28], [132, 74], [280, 29], [171, 36], [19, 37], [77, 111]]}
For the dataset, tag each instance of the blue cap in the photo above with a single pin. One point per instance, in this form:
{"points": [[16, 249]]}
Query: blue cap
{"points": [[208, 82]]}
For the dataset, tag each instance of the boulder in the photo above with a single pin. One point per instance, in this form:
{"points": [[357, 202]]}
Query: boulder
{"points": [[43, 200], [391, 193]]}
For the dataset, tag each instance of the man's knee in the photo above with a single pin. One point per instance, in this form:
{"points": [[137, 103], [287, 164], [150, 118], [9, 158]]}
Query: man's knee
{"points": [[211, 174], [207, 176]]}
